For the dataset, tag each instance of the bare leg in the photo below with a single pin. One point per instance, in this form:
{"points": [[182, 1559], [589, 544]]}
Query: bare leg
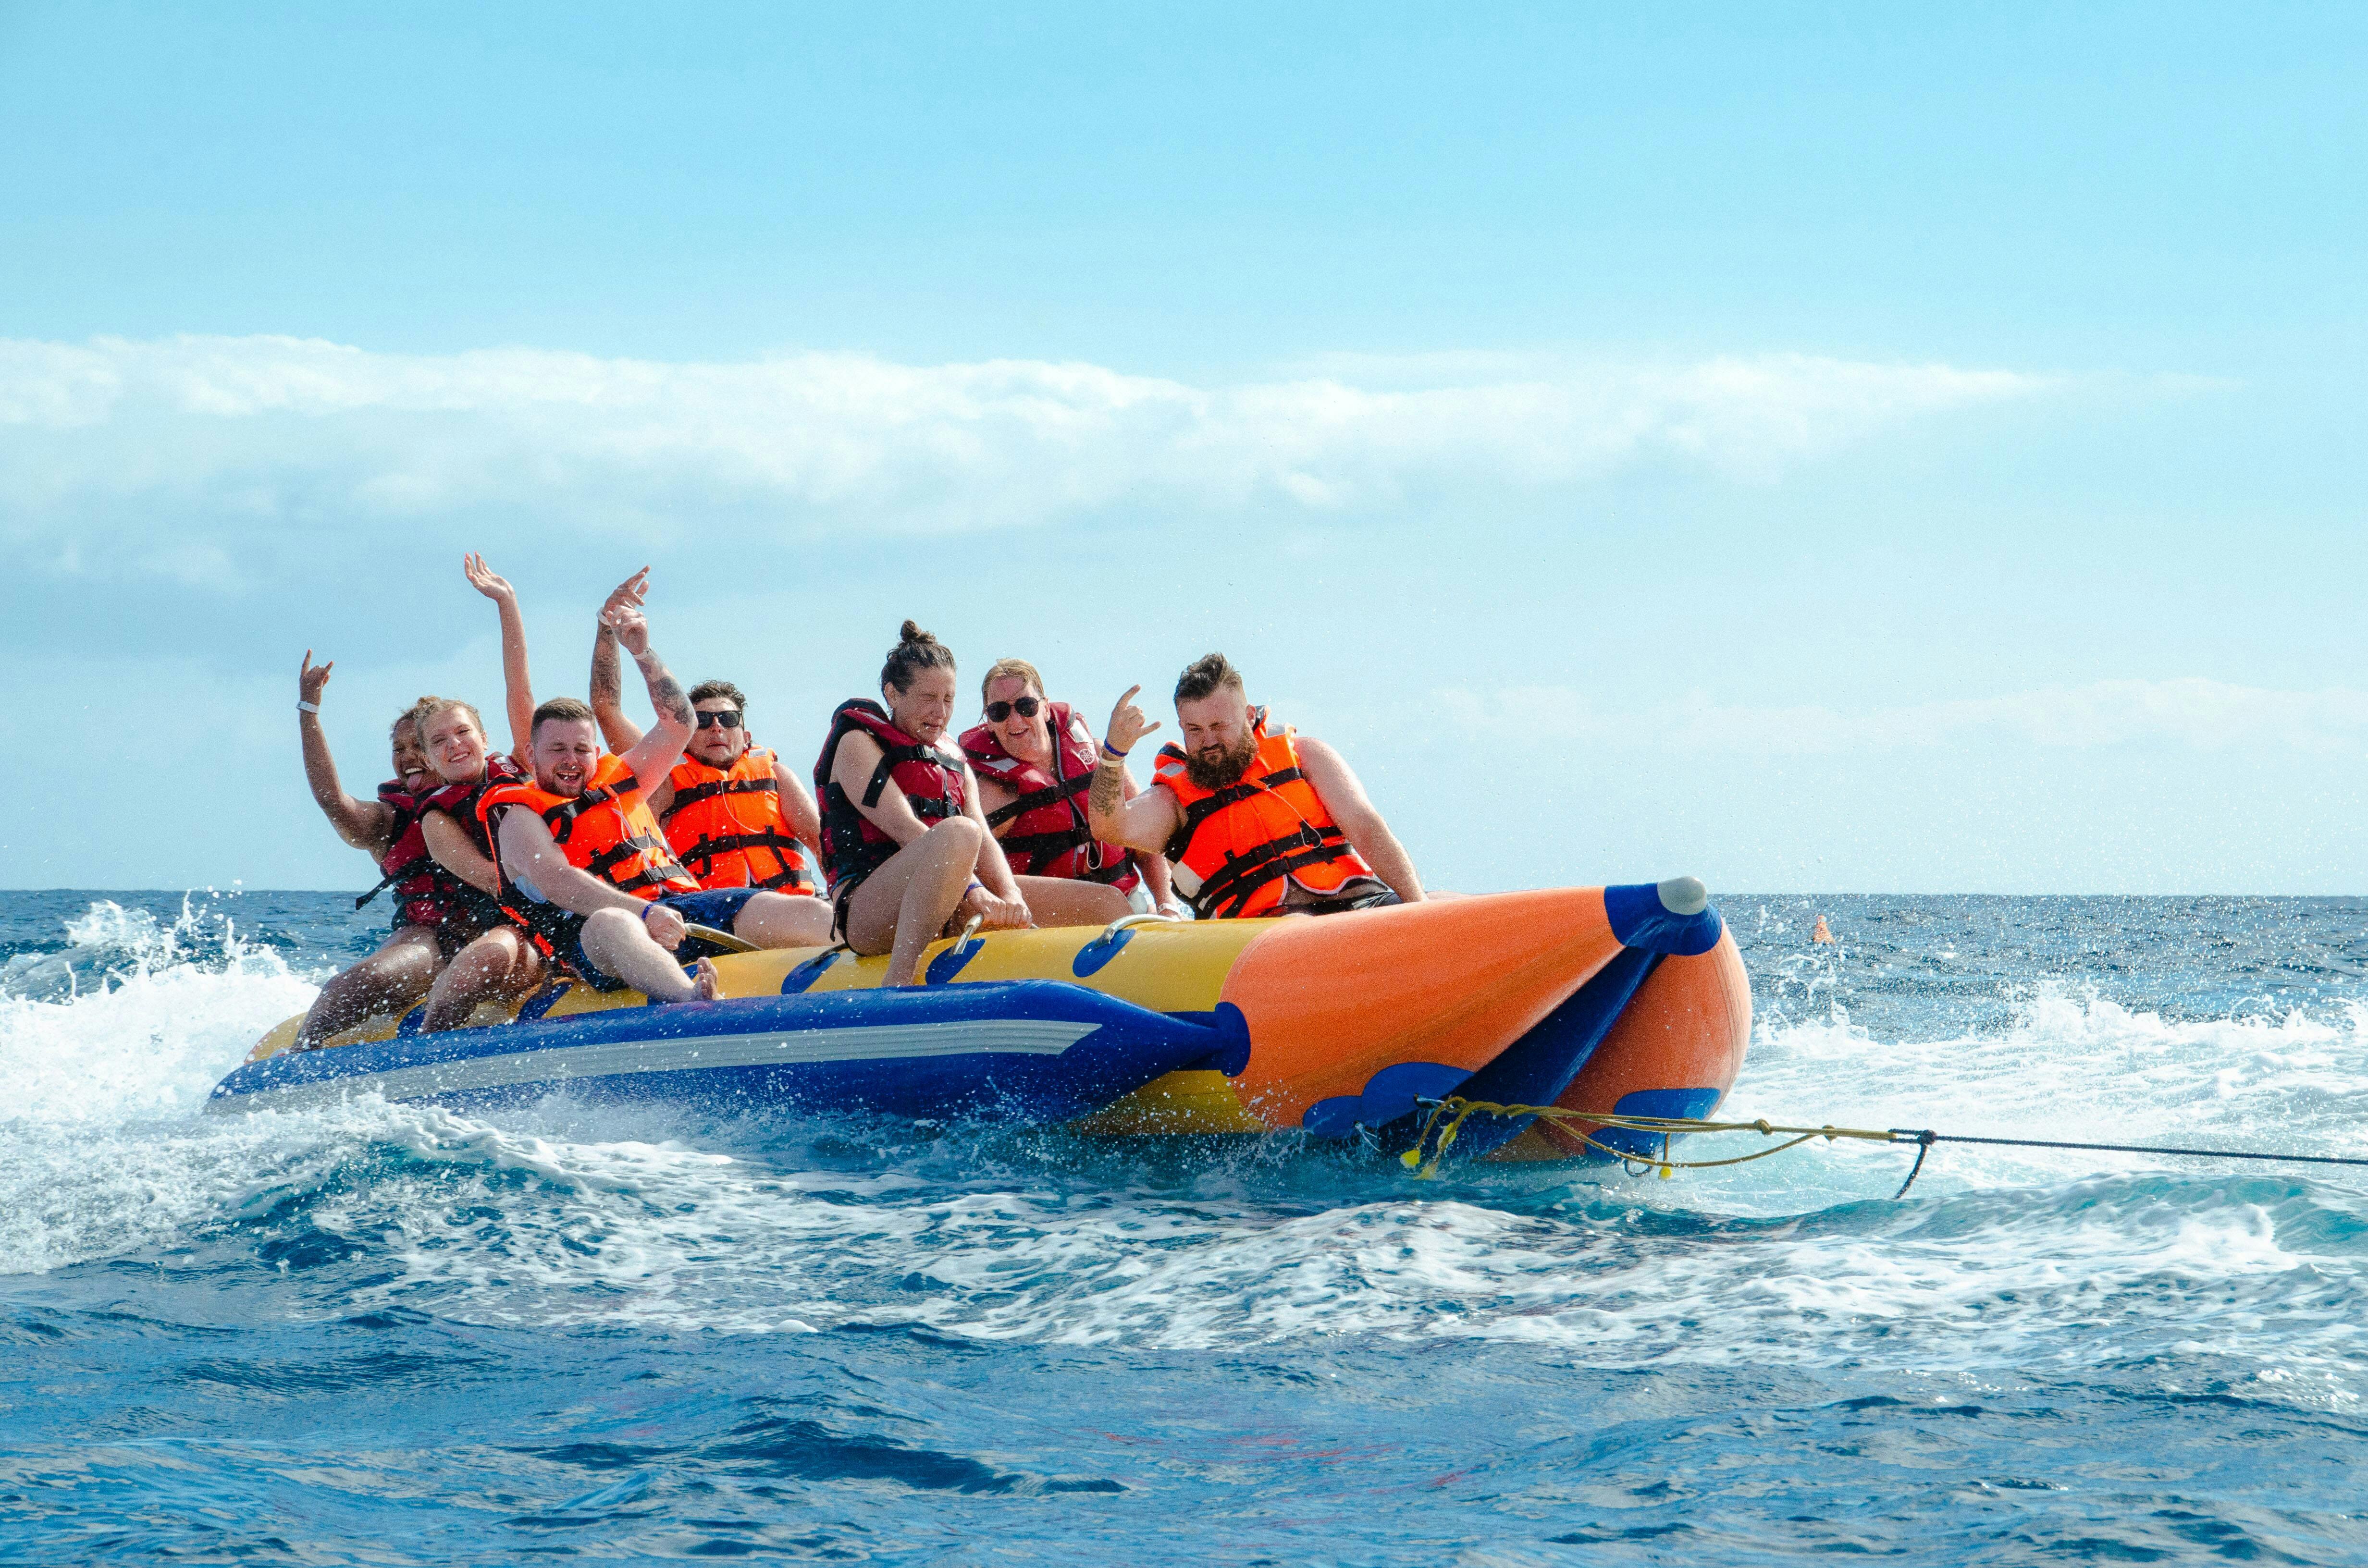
{"points": [[784, 920], [618, 941], [1064, 901], [901, 907], [500, 966], [387, 981]]}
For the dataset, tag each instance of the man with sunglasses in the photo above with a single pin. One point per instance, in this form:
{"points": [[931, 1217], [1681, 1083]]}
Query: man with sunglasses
{"points": [[732, 816]]}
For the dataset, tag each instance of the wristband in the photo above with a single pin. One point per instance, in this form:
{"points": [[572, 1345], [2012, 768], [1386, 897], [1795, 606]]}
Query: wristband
{"points": [[302, 707], [1110, 754]]}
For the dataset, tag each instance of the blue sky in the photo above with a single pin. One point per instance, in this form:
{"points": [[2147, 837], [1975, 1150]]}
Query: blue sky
{"points": [[1819, 447]]}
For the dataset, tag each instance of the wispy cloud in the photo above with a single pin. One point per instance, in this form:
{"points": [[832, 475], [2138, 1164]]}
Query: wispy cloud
{"points": [[286, 429], [2192, 711]]}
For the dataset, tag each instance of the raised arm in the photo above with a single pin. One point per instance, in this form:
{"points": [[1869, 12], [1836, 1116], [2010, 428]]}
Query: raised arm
{"points": [[653, 756], [365, 825], [1141, 821], [1330, 776], [621, 734], [518, 686]]}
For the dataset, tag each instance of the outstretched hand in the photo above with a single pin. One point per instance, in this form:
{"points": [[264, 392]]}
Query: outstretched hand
{"points": [[630, 626], [485, 579], [631, 594], [1126, 723], [312, 677]]}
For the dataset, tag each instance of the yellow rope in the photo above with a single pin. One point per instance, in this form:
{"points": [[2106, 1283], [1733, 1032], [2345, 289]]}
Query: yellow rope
{"points": [[1454, 1109]]}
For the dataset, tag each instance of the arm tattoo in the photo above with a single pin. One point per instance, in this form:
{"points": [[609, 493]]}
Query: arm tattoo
{"points": [[665, 692], [606, 691], [1110, 783]]}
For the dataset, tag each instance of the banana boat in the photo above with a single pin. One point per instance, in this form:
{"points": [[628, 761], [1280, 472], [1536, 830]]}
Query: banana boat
{"points": [[1630, 1000]]}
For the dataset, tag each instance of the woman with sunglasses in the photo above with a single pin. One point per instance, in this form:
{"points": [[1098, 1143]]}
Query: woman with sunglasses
{"points": [[1034, 760]]}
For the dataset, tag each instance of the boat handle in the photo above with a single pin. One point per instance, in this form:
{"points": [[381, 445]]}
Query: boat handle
{"points": [[1128, 922]]}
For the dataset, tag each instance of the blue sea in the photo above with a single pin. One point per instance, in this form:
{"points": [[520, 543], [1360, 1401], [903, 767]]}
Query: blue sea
{"points": [[387, 1335]]}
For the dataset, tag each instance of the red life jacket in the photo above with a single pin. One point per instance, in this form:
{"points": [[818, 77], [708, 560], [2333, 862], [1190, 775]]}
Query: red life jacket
{"points": [[932, 782], [427, 893], [1240, 847], [726, 827], [1049, 835], [419, 883]]}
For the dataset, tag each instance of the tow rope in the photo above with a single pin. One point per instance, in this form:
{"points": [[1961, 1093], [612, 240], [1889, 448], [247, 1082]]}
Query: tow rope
{"points": [[1447, 1117]]}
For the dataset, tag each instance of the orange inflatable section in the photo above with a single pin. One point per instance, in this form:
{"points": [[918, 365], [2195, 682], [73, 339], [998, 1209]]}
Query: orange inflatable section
{"points": [[1687, 1028], [1332, 1002]]}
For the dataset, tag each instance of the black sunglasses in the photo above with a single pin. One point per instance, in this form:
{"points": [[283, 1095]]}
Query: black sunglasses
{"points": [[727, 719], [996, 712]]}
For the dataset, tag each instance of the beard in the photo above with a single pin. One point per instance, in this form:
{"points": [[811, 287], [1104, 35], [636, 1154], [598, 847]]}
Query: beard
{"points": [[1223, 771]]}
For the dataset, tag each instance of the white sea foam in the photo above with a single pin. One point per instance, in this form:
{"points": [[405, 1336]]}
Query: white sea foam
{"points": [[2010, 1258]]}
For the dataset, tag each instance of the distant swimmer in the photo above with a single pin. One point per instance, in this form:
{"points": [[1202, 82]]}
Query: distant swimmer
{"points": [[583, 866], [1034, 761], [1258, 821], [1822, 933], [732, 816], [906, 861]]}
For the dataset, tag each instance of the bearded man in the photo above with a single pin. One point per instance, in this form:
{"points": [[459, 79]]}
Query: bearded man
{"points": [[1259, 820]]}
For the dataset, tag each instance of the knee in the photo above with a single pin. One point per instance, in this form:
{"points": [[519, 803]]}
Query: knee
{"points": [[609, 925], [959, 834]]}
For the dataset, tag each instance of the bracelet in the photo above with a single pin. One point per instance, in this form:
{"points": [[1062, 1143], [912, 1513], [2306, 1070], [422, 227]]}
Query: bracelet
{"points": [[303, 707], [1109, 754]]}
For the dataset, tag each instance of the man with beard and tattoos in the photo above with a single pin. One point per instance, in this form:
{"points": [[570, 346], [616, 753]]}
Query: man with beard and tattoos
{"points": [[1259, 820]]}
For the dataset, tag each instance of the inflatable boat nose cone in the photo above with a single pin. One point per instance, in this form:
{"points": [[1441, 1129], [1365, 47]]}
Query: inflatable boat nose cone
{"points": [[1436, 990], [1684, 895], [1672, 918]]}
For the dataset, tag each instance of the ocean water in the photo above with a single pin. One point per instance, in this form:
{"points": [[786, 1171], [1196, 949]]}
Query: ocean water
{"points": [[389, 1335]]}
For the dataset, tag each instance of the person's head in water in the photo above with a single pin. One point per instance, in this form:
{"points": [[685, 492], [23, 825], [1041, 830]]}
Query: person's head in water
{"points": [[1014, 689], [454, 735], [722, 732], [918, 684], [565, 747], [1215, 717], [413, 768]]}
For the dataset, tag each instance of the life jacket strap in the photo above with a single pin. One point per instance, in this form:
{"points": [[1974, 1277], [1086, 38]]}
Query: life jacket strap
{"points": [[1233, 885]]}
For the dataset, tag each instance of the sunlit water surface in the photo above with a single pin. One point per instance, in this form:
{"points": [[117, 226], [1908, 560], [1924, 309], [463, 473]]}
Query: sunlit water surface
{"points": [[387, 1334]]}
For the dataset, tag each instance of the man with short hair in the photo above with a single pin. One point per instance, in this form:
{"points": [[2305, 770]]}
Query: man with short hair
{"points": [[583, 866], [1259, 820]]}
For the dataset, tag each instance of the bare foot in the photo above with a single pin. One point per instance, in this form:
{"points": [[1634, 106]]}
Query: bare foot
{"points": [[706, 982]]}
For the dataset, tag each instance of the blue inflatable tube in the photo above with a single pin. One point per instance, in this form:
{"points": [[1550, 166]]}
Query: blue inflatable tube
{"points": [[1027, 1052]]}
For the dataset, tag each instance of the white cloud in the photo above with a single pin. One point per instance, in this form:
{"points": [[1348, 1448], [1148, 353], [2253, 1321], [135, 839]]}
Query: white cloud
{"points": [[2191, 711], [299, 430]]}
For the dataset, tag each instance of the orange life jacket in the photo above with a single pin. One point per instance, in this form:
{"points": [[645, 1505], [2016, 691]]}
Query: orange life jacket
{"points": [[1050, 836], [725, 825], [1240, 847], [607, 829]]}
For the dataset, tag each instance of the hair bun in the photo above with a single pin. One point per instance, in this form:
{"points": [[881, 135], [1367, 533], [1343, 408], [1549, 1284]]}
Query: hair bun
{"points": [[912, 633]]}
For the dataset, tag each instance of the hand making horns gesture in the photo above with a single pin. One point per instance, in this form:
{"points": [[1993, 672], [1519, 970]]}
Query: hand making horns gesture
{"points": [[312, 678], [1126, 725]]}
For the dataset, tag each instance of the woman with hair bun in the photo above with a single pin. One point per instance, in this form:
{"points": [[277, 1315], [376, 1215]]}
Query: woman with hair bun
{"points": [[906, 862]]}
